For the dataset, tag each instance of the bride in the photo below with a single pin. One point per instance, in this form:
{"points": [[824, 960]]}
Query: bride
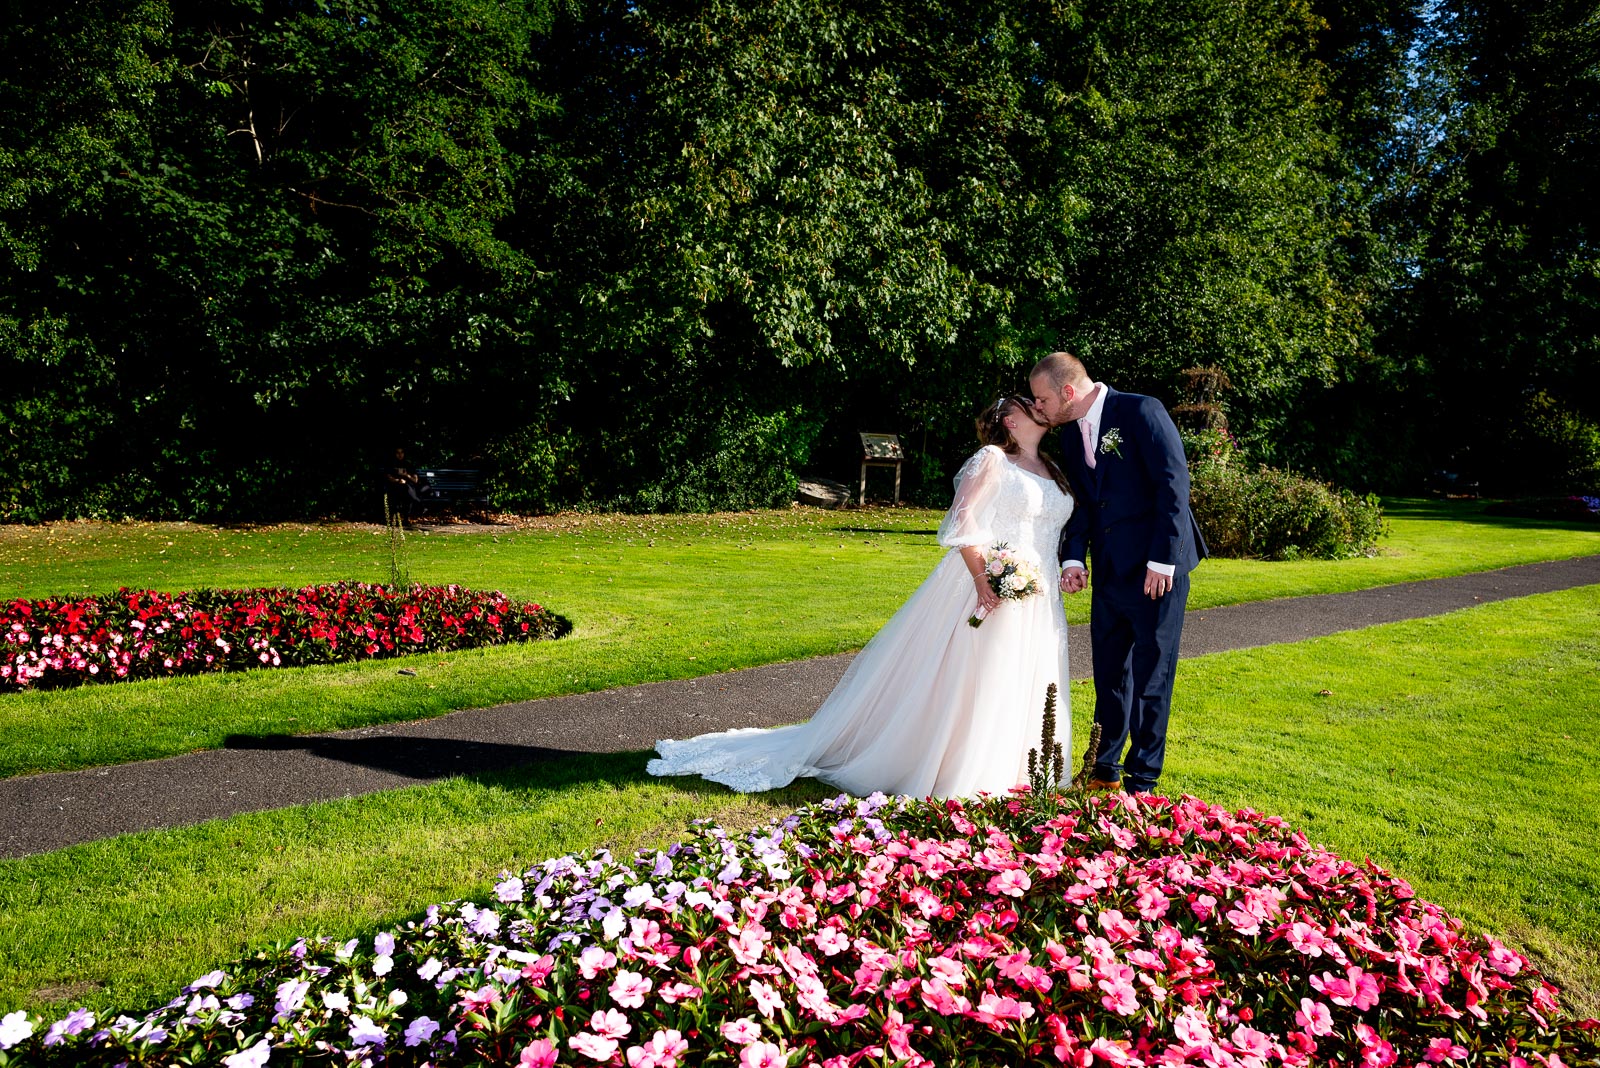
{"points": [[933, 706]]}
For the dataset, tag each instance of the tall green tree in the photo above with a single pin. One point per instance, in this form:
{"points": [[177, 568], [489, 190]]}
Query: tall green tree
{"points": [[1501, 317]]}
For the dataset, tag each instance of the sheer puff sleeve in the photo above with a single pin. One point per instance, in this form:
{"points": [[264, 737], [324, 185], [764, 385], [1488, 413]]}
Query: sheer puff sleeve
{"points": [[970, 518]]}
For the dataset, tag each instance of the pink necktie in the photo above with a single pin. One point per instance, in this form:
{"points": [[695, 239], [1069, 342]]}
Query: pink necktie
{"points": [[1088, 442]]}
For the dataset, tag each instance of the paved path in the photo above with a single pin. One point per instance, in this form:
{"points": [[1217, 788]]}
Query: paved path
{"points": [[44, 812]]}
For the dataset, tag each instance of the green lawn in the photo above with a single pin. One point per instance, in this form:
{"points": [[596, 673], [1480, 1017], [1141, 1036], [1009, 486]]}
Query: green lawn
{"points": [[1457, 751], [652, 597]]}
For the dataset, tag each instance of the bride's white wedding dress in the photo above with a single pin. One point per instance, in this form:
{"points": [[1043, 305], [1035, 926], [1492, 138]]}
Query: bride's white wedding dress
{"points": [[931, 706]]}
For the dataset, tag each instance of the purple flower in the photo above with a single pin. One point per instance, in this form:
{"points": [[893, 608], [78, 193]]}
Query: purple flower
{"points": [[206, 982], [731, 871], [486, 923], [421, 1030], [291, 995], [240, 1002], [663, 866], [74, 1023], [363, 1032], [383, 945], [254, 1057], [509, 890]]}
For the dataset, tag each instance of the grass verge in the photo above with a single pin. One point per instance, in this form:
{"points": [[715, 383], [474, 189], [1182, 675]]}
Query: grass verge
{"points": [[652, 597], [1455, 751]]}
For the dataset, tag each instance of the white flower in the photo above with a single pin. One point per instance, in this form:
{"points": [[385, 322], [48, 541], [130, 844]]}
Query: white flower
{"points": [[14, 1028]]}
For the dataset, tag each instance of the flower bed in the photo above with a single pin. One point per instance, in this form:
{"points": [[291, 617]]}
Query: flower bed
{"points": [[142, 634], [1102, 932]]}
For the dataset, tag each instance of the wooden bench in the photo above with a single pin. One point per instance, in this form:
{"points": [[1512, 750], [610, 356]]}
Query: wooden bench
{"points": [[449, 488]]}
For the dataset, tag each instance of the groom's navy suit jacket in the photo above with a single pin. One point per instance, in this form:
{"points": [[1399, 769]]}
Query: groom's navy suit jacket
{"points": [[1131, 508]]}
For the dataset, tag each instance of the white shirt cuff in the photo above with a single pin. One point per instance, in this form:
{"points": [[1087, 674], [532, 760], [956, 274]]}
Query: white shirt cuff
{"points": [[1073, 563], [1162, 569]]}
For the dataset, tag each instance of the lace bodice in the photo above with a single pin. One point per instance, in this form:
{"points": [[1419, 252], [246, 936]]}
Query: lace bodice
{"points": [[998, 501]]}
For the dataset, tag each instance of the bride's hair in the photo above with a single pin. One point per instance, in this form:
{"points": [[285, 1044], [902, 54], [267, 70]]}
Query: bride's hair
{"points": [[992, 430]]}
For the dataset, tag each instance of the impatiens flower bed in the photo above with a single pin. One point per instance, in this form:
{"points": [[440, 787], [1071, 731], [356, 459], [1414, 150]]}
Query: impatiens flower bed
{"points": [[142, 634], [1108, 932]]}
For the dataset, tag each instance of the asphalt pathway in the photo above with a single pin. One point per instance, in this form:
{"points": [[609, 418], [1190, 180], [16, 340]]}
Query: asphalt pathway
{"points": [[44, 812]]}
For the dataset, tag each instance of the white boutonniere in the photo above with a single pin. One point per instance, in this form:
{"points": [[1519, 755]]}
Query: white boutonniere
{"points": [[1111, 441]]}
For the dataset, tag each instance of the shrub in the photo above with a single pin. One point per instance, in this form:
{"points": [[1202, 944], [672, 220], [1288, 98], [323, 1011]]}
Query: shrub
{"points": [[141, 634], [1278, 515], [1212, 448], [1549, 449], [1108, 932]]}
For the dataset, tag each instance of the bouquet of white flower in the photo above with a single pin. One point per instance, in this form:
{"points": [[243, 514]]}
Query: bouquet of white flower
{"points": [[1010, 576]]}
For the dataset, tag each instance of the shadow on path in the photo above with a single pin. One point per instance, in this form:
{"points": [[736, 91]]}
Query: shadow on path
{"points": [[418, 759]]}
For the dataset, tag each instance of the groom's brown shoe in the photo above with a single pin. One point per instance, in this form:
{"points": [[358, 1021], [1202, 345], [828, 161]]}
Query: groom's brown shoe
{"points": [[1105, 784]]}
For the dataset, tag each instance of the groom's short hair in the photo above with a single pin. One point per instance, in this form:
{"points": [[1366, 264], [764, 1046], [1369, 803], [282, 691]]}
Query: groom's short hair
{"points": [[1060, 368]]}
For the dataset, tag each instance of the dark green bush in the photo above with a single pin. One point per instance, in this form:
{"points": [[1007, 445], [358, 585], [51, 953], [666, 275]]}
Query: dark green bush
{"points": [[1549, 450], [1278, 515]]}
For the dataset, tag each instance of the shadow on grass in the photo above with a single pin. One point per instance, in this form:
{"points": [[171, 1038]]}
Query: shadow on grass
{"points": [[884, 530], [1472, 511]]}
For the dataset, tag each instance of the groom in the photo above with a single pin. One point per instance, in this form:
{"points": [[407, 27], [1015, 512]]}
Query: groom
{"points": [[1125, 462]]}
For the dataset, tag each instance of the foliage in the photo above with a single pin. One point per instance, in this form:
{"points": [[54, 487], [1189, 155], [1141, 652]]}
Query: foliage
{"points": [[1501, 292], [1274, 514], [640, 255], [1212, 449], [1548, 448], [143, 634], [1123, 929]]}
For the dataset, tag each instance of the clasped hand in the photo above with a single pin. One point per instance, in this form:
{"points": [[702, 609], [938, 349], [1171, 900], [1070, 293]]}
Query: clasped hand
{"points": [[1074, 580]]}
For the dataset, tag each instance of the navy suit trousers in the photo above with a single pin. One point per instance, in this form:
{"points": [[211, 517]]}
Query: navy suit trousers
{"points": [[1135, 660]]}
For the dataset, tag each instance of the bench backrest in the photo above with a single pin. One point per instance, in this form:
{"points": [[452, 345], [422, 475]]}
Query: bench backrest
{"points": [[452, 478]]}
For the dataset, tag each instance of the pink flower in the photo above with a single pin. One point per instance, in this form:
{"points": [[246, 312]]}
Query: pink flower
{"points": [[762, 1055], [540, 1053], [1443, 1049], [938, 997], [1120, 998], [1249, 1041], [593, 1046], [767, 999], [1013, 883], [741, 1031], [1376, 1052], [1116, 926], [1111, 1052], [950, 972], [594, 960], [673, 993], [628, 989], [1358, 989], [662, 1051], [1503, 960], [831, 941], [480, 999], [1192, 1027], [1310, 941], [610, 1023], [993, 1009], [1314, 1017]]}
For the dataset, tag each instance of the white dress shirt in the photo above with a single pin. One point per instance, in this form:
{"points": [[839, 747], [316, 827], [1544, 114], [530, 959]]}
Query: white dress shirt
{"points": [[1092, 417]]}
